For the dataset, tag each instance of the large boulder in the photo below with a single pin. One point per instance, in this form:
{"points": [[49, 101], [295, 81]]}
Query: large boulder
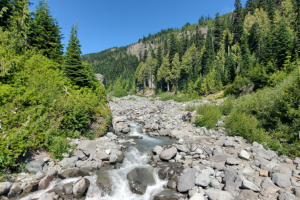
{"points": [[139, 179], [30, 187], [45, 182], [80, 188], [87, 146], [68, 162], [187, 180], [68, 188], [116, 157], [168, 153], [182, 148], [202, 180], [4, 188], [72, 173], [102, 156], [119, 119], [104, 183], [35, 166], [281, 180], [80, 155]]}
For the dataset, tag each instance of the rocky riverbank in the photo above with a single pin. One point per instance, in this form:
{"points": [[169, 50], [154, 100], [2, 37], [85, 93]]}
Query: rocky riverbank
{"points": [[201, 164]]}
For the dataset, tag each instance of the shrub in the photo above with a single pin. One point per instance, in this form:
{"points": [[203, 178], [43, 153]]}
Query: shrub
{"points": [[178, 98], [119, 93], [240, 83], [210, 116], [227, 105], [59, 146], [190, 107]]}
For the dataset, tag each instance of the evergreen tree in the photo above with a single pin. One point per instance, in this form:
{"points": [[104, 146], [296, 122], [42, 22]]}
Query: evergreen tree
{"points": [[208, 55], [175, 72], [173, 48], [254, 38], [237, 26], [282, 43], [217, 33], [230, 69], [145, 55], [5, 12], [166, 49], [45, 33], [164, 72], [250, 6], [73, 67]]}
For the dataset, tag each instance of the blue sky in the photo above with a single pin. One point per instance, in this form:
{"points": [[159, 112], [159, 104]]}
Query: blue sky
{"points": [[109, 23]]}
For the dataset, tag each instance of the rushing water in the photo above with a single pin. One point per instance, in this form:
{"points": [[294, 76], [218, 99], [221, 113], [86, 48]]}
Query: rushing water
{"points": [[134, 157]]}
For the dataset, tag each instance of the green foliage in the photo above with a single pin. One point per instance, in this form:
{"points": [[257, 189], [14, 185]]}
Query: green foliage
{"points": [[58, 146], [178, 98], [210, 116], [227, 105], [238, 86], [119, 93]]}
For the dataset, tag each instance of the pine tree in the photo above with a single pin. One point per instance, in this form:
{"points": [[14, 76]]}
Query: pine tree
{"points": [[164, 71], [173, 48], [175, 72], [208, 55], [217, 33], [237, 26], [73, 67], [250, 6], [254, 38], [145, 55], [166, 49], [282, 43], [45, 33]]}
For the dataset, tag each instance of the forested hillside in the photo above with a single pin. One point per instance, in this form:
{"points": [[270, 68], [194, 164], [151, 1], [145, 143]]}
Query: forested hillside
{"points": [[45, 95], [251, 54]]}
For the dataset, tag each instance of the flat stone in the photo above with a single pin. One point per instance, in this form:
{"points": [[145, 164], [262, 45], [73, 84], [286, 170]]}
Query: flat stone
{"points": [[139, 179], [232, 161], [214, 194], [157, 149], [187, 180], [197, 196], [72, 173], [15, 190], [202, 180], [168, 153], [87, 146], [267, 183], [68, 162], [249, 185], [80, 155], [102, 156], [182, 148]]}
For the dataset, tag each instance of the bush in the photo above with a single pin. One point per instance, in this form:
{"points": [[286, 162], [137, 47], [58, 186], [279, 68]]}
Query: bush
{"points": [[59, 146], [190, 107], [227, 105], [119, 93], [210, 116], [238, 86]]}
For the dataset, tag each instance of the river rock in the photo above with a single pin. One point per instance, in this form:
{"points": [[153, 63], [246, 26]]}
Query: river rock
{"points": [[164, 132], [80, 188], [197, 196], [168, 153], [104, 183], [187, 180], [47, 196], [45, 182], [244, 155], [230, 175], [249, 185], [139, 179], [30, 187], [282, 170], [68, 162], [249, 195], [4, 188], [102, 156], [87, 146], [39, 175], [80, 155], [232, 161], [116, 157], [214, 194], [73, 173], [157, 149], [267, 183], [281, 180], [15, 190], [35, 166], [172, 183], [182, 148], [119, 119], [68, 188], [202, 180], [52, 173]]}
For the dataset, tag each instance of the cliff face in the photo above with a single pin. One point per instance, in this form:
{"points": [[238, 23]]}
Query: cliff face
{"points": [[135, 49]]}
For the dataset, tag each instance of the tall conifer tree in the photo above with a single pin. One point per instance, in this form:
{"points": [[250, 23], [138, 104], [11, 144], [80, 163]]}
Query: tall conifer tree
{"points": [[73, 67], [237, 27]]}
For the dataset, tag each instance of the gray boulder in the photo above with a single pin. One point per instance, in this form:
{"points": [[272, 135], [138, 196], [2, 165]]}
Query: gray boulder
{"points": [[72, 173], [35, 166], [80, 188], [102, 156], [164, 132], [172, 183], [104, 183], [139, 179], [168, 153], [80, 155], [15, 190], [68, 162], [44, 183], [68, 188], [197, 196], [202, 180], [4, 188], [87, 146], [187, 180], [157, 149], [281, 180], [30, 187], [182, 148], [52, 173], [214, 194], [47, 196], [116, 157], [232, 161], [267, 183], [244, 155], [39, 175], [230, 175], [282, 170]]}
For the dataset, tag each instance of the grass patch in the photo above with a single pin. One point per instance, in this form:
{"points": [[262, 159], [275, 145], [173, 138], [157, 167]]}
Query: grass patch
{"points": [[119, 93], [190, 107], [178, 98], [227, 106]]}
